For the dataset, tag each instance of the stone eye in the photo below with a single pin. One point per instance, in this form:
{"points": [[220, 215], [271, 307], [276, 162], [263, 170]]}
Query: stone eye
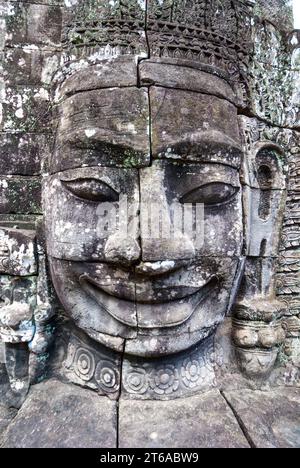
{"points": [[92, 190], [214, 193]]}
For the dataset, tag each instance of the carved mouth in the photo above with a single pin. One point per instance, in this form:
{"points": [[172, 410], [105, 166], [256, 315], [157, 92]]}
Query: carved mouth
{"points": [[170, 306], [143, 293]]}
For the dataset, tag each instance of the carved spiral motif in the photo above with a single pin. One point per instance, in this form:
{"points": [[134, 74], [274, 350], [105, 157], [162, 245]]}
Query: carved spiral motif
{"points": [[136, 381], [165, 380], [84, 364], [107, 377], [191, 373]]}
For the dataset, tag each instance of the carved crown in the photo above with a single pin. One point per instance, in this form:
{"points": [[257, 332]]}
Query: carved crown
{"points": [[212, 32]]}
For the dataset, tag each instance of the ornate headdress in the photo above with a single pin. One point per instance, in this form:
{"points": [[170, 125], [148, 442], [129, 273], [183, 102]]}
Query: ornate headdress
{"points": [[214, 34]]}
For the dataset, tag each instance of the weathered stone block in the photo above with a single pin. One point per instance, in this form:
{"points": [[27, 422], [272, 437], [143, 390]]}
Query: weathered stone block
{"points": [[27, 23], [28, 65], [271, 419], [203, 421], [26, 109], [19, 221], [108, 73], [107, 127], [193, 127], [171, 75], [18, 195], [23, 153], [63, 416]]}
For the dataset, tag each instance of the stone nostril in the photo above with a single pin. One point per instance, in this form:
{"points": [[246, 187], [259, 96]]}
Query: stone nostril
{"points": [[122, 249]]}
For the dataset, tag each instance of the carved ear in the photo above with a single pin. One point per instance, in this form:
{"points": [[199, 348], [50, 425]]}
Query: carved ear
{"points": [[257, 325], [264, 201]]}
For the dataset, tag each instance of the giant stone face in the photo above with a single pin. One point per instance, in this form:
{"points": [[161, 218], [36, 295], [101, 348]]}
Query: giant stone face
{"points": [[144, 208]]}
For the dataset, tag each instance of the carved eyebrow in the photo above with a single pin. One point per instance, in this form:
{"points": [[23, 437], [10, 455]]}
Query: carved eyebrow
{"points": [[207, 141], [198, 155], [213, 181], [80, 141]]}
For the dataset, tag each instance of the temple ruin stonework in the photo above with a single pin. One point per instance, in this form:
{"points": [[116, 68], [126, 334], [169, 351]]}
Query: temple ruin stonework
{"points": [[149, 224]]}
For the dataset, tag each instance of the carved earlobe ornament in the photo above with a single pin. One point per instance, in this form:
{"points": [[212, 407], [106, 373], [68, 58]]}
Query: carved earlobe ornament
{"points": [[265, 319]]}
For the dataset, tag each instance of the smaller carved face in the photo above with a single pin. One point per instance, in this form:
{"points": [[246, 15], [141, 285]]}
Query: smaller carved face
{"points": [[144, 215]]}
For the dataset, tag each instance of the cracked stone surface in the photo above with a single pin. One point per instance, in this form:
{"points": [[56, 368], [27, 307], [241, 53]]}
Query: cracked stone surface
{"points": [[195, 422], [63, 416], [73, 417], [271, 419]]}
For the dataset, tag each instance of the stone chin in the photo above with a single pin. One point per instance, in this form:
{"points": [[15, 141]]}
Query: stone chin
{"points": [[159, 320]]}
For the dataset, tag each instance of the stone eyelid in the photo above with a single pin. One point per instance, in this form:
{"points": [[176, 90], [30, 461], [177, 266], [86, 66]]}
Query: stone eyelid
{"points": [[91, 189], [198, 194]]}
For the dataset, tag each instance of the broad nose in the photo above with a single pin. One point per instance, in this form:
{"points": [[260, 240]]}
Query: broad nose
{"points": [[122, 249], [151, 235], [161, 239], [155, 254]]}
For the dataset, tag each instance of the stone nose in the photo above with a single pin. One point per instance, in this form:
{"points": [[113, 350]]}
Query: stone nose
{"points": [[122, 249], [161, 220]]}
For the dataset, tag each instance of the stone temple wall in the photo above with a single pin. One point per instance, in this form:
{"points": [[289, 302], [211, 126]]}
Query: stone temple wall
{"points": [[30, 35]]}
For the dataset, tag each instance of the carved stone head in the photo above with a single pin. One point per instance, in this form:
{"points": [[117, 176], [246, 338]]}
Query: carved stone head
{"points": [[163, 159], [146, 227]]}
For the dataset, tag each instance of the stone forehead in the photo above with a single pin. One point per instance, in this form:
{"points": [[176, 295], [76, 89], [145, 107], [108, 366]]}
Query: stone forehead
{"points": [[124, 71], [122, 127]]}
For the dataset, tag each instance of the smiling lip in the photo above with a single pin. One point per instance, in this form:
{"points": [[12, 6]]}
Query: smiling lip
{"points": [[167, 308], [143, 293]]}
